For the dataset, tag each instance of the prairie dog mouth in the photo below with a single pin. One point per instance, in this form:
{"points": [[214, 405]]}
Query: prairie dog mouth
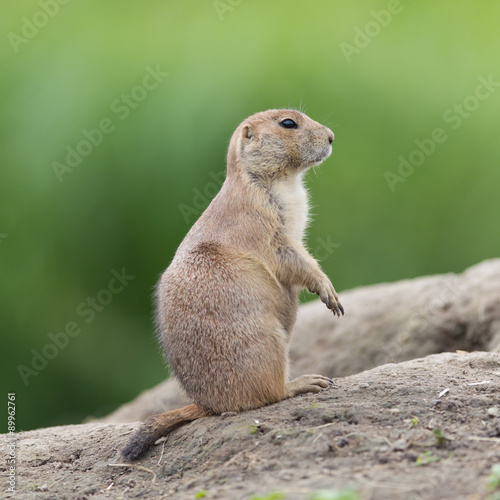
{"points": [[320, 157]]}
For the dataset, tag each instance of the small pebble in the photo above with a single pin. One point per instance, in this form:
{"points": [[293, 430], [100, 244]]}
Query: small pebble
{"points": [[494, 411], [399, 445]]}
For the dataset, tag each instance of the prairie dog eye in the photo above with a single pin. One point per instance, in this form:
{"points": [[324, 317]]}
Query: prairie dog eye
{"points": [[288, 123]]}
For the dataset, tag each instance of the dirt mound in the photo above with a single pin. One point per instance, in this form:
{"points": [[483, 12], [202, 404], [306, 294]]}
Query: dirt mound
{"points": [[426, 428], [384, 323]]}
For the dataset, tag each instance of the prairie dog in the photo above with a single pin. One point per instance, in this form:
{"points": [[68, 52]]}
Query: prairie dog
{"points": [[227, 303]]}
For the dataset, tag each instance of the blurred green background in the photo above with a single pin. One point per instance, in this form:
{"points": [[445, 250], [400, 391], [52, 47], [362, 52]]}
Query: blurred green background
{"points": [[381, 84]]}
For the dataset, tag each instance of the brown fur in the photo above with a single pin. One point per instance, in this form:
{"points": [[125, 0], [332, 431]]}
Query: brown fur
{"points": [[228, 301]]}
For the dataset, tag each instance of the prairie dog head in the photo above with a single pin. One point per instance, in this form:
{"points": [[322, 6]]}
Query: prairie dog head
{"points": [[277, 143]]}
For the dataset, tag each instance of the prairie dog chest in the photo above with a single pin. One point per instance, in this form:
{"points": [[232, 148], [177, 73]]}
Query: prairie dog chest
{"points": [[292, 196]]}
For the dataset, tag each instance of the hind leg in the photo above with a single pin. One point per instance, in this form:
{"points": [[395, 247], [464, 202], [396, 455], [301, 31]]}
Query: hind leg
{"points": [[306, 383]]}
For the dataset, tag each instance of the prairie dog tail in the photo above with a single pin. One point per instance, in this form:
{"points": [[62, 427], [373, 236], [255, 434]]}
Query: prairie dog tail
{"points": [[158, 426]]}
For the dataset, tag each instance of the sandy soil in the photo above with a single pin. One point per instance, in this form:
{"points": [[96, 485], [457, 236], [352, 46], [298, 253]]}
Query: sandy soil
{"points": [[388, 433]]}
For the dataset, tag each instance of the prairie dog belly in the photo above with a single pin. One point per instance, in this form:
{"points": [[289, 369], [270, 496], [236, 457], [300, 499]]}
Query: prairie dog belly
{"points": [[222, 332]]}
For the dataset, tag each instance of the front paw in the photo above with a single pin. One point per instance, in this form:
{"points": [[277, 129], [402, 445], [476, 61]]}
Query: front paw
{"points": [[330, 298]]}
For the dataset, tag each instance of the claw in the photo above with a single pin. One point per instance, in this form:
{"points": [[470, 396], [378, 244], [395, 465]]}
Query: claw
{"points": [[338, 310]]}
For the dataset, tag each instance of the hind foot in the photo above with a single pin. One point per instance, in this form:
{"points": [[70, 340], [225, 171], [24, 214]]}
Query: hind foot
{"points": [[306, 383]]}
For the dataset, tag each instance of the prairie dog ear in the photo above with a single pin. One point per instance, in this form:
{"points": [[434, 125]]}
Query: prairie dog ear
{"points": [[247, 132]]}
